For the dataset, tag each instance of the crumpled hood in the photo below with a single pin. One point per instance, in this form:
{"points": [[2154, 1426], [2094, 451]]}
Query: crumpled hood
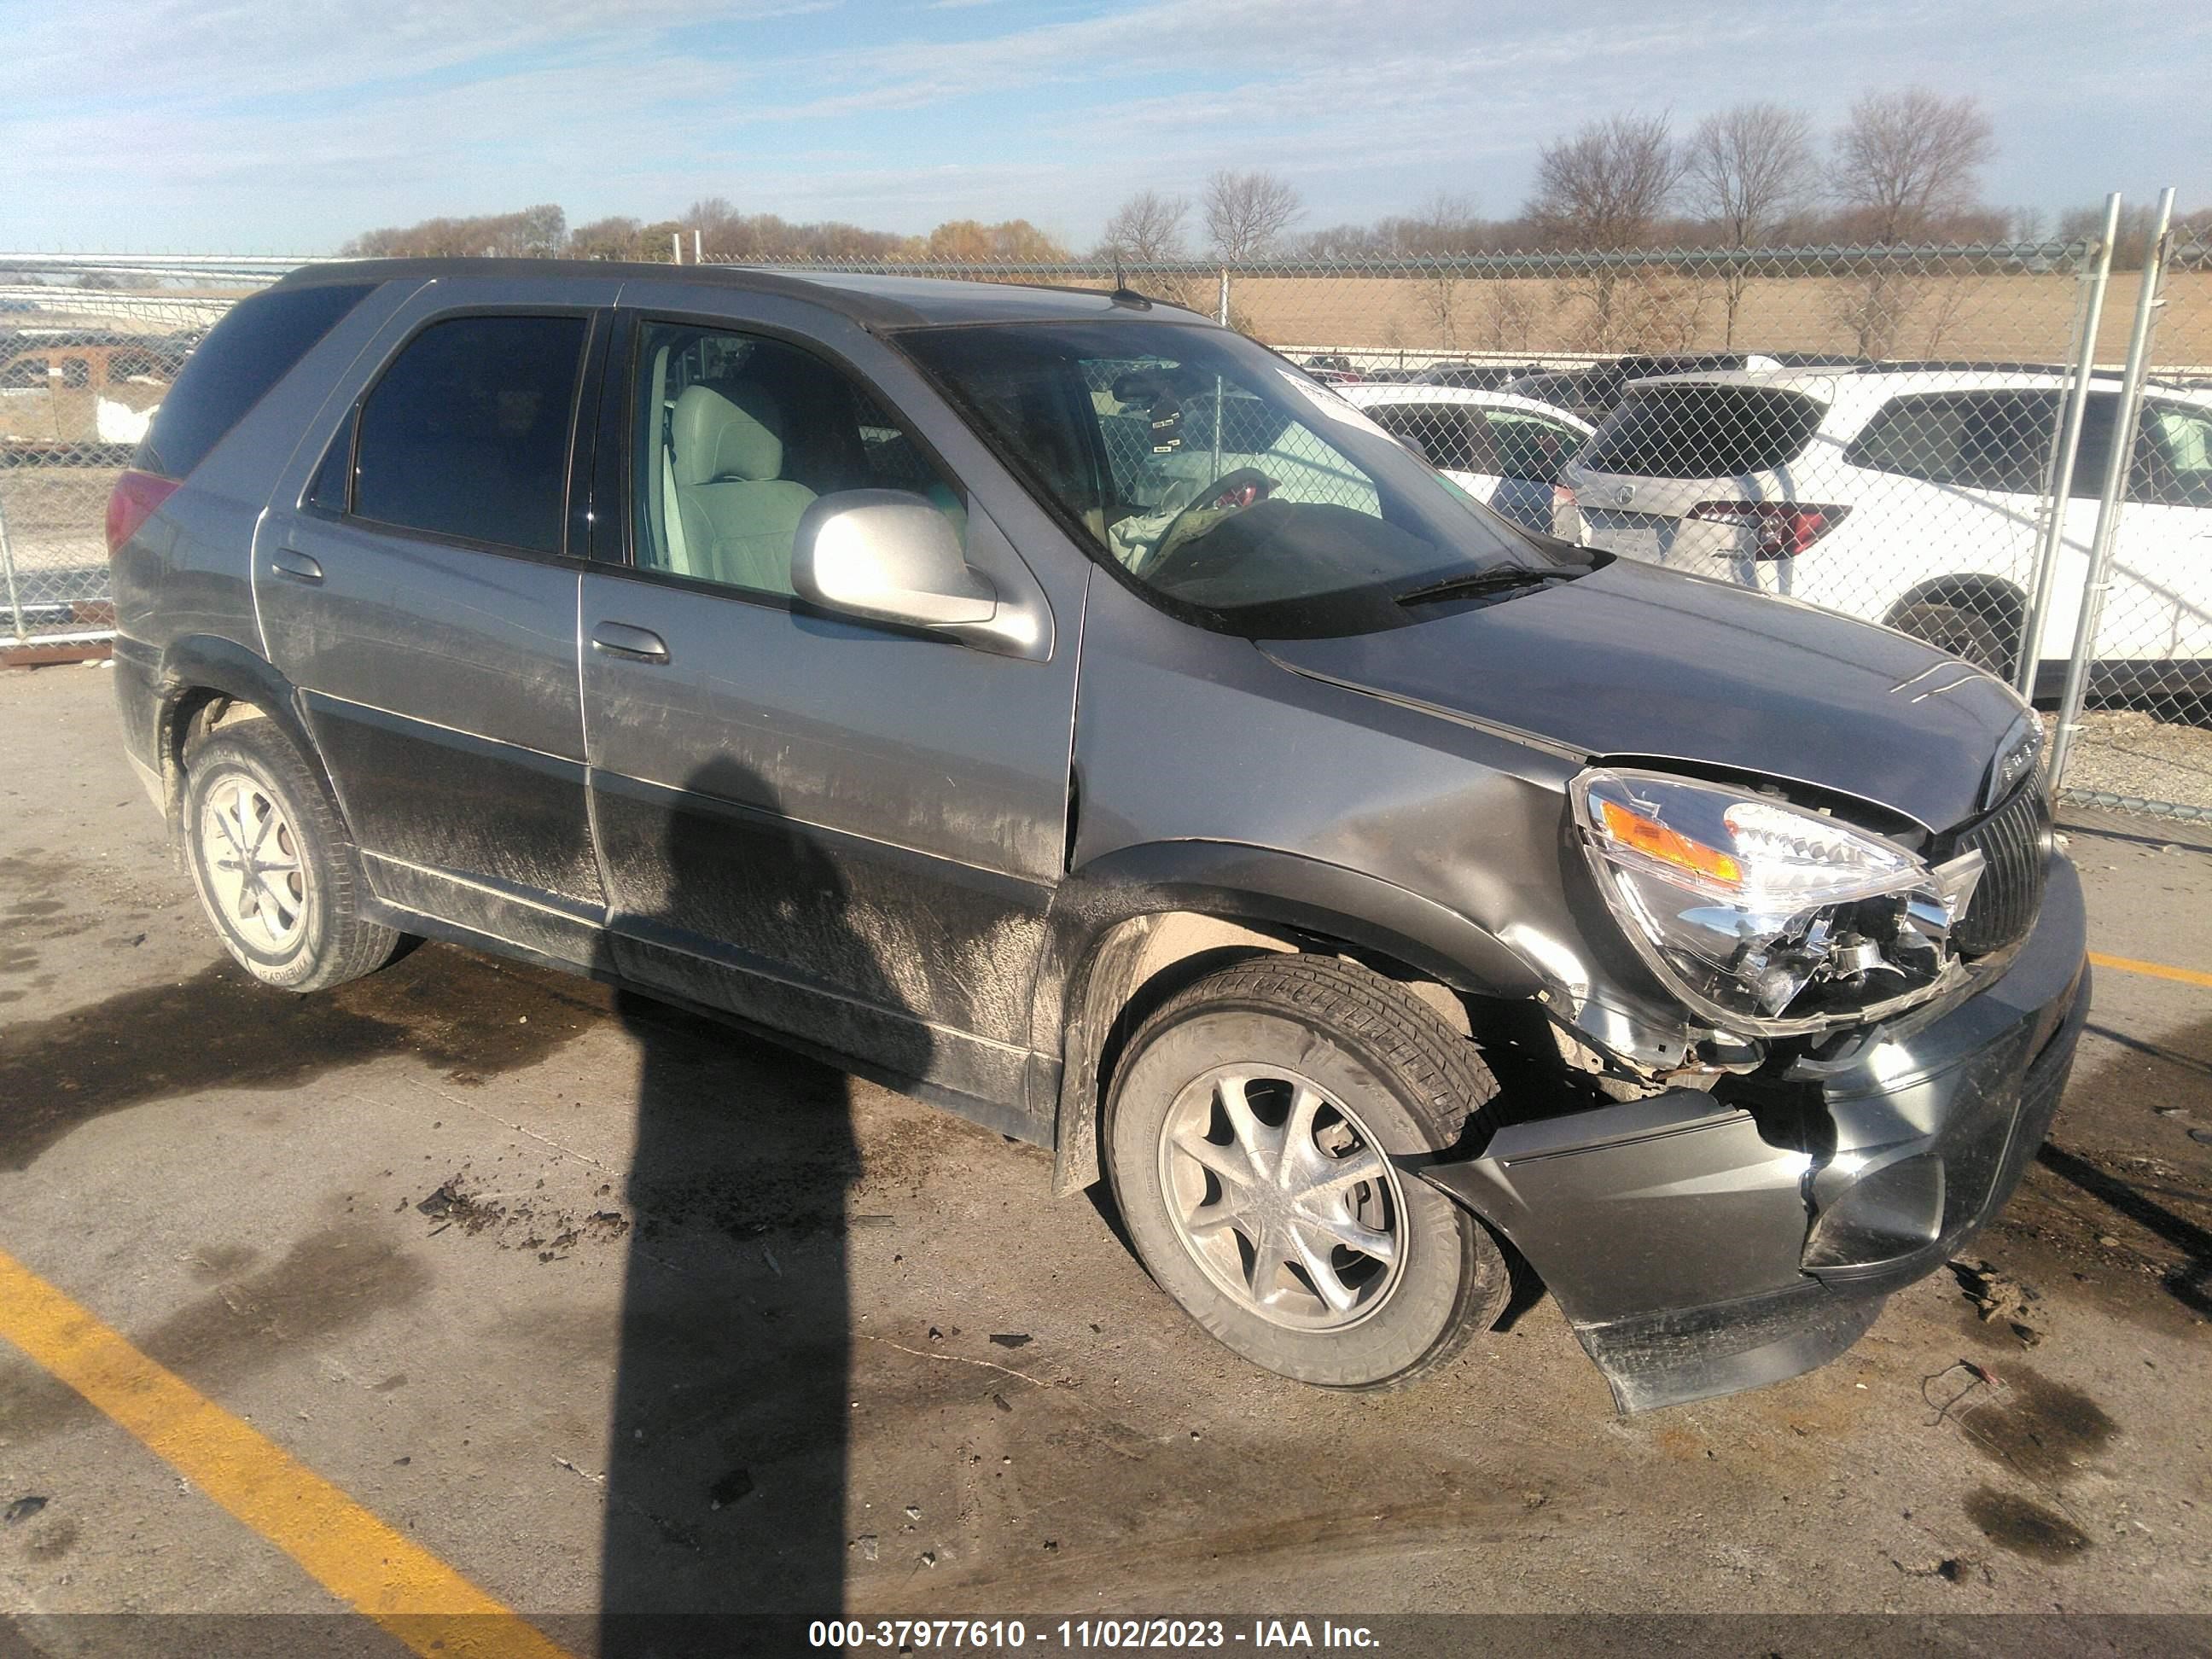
{"points": [[1634, 660]]}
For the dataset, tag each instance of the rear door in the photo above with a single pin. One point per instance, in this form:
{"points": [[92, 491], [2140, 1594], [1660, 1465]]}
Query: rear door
{"points": [[845, 831], [2159, 608], [1531, 452], [421, 586]]}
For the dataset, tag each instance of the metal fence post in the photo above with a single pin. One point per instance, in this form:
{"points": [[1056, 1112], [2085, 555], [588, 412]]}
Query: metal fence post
{"points": [[2052, 533], [1223, 316], [8, 565], [2108, 502]]}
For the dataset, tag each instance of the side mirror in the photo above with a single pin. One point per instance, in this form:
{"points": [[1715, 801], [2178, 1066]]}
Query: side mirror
{"points": [[887, 556]]}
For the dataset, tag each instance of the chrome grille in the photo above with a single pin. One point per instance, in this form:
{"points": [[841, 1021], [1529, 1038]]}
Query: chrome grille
{"points": [[2014, 842]]}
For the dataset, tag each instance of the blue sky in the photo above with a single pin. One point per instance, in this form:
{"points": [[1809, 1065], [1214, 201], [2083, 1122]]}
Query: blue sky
{"points": [[286, 125]]}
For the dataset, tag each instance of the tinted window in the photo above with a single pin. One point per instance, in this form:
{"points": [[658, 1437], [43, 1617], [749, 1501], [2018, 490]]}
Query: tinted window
{"points": [[1446, 435], [1697, 431], [252, 348], [1979, 439], [736, 436], [1530, 446], [2173, 457], [466, 434]]}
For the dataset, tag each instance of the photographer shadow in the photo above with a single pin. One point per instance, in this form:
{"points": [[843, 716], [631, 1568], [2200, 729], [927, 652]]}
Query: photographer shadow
{"points": [[726, 1481]]}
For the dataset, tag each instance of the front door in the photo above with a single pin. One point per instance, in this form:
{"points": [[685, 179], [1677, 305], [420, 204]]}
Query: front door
{"points": [[847, 832]]}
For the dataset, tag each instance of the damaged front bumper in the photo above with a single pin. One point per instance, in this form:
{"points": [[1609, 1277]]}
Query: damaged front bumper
{"points": [[1700, 1244]]}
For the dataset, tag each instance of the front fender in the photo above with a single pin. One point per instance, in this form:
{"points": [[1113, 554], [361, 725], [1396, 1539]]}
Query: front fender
{"points": [[1096, 938]]}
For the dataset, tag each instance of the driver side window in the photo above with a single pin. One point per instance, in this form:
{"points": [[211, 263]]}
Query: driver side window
{"points": [[736, 435]]}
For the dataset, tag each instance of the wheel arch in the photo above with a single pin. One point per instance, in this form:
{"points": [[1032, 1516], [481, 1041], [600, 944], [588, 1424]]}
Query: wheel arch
{"points": [[1996, 598], [207, 682], [1133, 928]]}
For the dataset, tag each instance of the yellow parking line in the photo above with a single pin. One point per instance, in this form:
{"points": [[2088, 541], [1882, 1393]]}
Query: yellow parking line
{"points": [[2155, 970], [352, 1554]]}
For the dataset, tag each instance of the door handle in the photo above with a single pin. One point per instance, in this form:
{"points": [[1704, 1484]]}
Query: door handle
{"points": [[285, 561], [616, 639]]}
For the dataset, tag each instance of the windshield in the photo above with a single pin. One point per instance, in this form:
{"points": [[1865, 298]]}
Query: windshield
{"points": [[1221, 482]]}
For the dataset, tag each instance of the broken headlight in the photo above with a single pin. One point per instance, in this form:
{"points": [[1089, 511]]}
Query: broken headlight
{"points": [[1763, 917]]}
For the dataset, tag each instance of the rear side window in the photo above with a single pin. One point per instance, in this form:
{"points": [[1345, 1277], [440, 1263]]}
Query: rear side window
{"points": [[466, 434], [2173, 457], [1529, 447], [1447, 436], [1698, 431], [1976, 440], [253, 347]]}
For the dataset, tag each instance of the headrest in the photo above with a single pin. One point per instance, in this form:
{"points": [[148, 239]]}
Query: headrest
{"points": [[734, 431]]}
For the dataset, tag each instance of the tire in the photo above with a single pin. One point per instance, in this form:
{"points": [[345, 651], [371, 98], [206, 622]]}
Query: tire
{"points": [[1335, 1067], [292, 920], [1964, 633]]}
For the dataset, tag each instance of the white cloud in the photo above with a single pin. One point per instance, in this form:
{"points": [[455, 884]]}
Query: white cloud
{"points": [[300, 123]]}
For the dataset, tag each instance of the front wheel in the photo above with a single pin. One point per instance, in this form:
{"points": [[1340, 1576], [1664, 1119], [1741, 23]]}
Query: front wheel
{"points": [[1254, 1140]]}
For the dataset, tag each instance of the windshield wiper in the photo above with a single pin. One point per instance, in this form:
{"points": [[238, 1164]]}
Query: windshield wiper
{"points": [[1481, 582]]}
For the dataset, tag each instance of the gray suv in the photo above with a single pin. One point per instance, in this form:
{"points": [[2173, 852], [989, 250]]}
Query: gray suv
{"points": [[1065, 708]]}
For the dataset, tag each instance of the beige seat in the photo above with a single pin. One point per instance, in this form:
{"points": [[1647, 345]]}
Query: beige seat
{"points": [[737, 512]]}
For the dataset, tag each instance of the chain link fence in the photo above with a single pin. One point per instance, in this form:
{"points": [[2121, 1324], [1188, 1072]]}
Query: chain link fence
{"points": [[1903, 434], [2144, 740], [82, 371]]}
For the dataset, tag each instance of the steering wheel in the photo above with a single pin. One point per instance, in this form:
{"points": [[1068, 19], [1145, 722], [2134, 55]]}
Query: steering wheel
{"points": [[1232, 492]]}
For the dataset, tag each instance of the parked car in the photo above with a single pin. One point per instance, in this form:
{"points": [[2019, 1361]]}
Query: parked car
{"points": [[1058, 705], [1333, 369], [1914, 498], [1506, 452], [1476, 377], [1593, 393]]}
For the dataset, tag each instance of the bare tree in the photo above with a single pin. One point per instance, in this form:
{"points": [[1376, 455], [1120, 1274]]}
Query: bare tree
{"points": [[1246, 212], [1509, 315], [1746, 170], [614, 238], [1606, 187], [966, 241], [1907, 159], [1445, 225], [1603, 189], [1147, 226], [1903, 162], [719, 227]]}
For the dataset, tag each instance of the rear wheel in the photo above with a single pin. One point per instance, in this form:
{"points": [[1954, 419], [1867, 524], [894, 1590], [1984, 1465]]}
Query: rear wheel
{"points": [[1253, 1140], [1962, 631], [275, 869]]}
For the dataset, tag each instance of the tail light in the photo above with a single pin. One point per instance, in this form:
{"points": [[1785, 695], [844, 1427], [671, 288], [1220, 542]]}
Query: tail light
{"points": [[134, 499], [1783, 529]]}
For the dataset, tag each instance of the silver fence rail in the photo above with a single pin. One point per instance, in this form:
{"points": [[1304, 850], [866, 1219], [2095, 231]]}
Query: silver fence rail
{"points": [[2004, 449]]}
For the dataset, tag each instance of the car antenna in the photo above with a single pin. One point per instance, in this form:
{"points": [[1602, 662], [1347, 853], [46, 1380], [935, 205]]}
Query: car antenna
{"points": [[1123, 295]]}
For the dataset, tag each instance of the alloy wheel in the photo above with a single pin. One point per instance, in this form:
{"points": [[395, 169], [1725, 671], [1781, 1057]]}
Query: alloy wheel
{"points": [[1282, 1196]]}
